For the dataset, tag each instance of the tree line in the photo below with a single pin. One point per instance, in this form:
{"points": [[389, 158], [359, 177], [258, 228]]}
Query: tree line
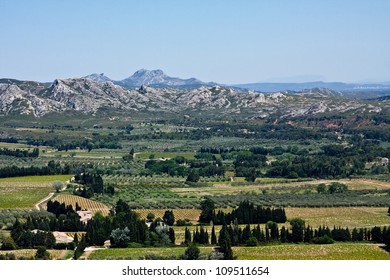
{"points": [[52, 168], [245, 213], [20, 153]]}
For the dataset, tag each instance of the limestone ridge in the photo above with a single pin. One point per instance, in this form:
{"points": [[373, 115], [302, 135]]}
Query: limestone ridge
{"points": [[90, 97], [152, 78]]}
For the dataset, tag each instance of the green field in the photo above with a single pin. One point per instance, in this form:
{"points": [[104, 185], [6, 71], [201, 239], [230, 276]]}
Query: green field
{"points": [[338, 251], [24, 192], [136, 253], [36, 179], [341, 216], [30, 253]]}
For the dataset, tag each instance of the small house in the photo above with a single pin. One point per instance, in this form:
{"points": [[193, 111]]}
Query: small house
{"points": [[85, 216], [61, 237]]}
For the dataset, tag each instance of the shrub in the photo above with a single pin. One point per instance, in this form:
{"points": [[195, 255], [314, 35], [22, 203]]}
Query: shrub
{"points": [[42, 254], [252, 242], [323, 240], [8, 244], [192, 252]]}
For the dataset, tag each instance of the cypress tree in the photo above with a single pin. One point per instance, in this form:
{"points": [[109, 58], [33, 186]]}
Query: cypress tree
{"points": [[297, 229], [213, 236], [172, 235], [187, 236], [283, 235], [257, 232], [225, 244]]}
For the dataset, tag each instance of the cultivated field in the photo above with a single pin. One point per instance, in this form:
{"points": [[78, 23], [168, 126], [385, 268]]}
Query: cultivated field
{"points": [[24, 192], [30, 253], [341, 216], [84, 203], [338, 251]]}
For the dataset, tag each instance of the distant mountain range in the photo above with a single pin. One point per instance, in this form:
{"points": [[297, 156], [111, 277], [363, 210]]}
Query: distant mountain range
{"points": [[90, 97], [152, 78], [345, 87], [158, 79], [154, 91]]}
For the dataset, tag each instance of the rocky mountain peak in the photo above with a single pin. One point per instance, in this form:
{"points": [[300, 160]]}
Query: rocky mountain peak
{"points": [[100, 78]]}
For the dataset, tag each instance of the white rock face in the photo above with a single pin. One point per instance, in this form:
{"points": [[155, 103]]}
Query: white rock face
{"points": [[87, 96]]}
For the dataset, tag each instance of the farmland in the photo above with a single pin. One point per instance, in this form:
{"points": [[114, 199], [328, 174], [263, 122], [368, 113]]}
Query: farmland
{"points": [[160, 166], [340, 251], [24, 192], [85, 204]]}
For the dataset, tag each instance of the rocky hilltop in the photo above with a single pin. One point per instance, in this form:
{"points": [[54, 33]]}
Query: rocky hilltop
{"points": [[153, 78], [90, 97]]}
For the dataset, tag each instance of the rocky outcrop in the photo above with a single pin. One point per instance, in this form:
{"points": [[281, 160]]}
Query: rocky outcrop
{"points": [[87, 96]]}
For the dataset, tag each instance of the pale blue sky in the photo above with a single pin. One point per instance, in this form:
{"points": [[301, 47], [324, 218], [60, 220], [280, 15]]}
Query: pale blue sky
{"points": [[222, 41]]}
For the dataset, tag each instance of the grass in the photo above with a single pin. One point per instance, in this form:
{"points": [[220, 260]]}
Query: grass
{"points": [[13, 145], [34, 179], [337, 251], [24, 192], [136, 253], [30, 253], [341, 216]]}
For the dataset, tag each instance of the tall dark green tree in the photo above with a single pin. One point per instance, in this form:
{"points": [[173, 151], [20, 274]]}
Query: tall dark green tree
{"points": [[187, 236], [224, 243], [208, 210], [297, 229], [121, 206], [172, 237], [213, 236], [169, 218], [193, 176]]}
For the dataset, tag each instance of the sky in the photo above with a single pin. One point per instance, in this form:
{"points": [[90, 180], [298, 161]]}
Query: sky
{"points": [[223, 41]]}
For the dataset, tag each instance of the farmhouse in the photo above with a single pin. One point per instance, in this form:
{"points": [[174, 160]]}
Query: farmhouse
{"points": [[85, 216], [61, 237]]}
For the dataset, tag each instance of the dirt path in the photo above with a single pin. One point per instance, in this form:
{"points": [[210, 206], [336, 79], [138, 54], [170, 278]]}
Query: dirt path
{"points": [[47, 198], [88, 251]]}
